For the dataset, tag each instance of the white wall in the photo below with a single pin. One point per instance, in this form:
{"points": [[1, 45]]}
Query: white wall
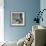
{"points": [[1, 21], [43, 6]]}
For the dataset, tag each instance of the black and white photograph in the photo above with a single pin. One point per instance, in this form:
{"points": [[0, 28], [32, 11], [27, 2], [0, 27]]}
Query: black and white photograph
{"points": [[17, 18]]}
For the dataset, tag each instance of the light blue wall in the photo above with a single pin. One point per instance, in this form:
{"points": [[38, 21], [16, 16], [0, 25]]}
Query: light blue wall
{"points": [[30, 7]]}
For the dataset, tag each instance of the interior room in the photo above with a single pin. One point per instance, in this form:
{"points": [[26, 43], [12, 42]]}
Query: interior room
{"points": [[23, 23]]}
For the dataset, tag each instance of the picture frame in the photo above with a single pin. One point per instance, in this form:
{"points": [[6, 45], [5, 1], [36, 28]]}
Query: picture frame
{"points": [[17, 18]]}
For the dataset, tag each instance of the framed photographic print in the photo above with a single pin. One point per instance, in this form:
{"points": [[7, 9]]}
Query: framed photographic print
{"points": [[17, 18]]}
